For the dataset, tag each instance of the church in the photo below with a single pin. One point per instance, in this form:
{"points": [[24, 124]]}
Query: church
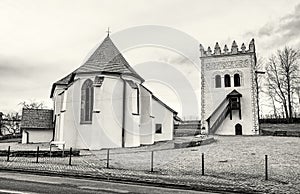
{"points": [[104, 104], [229, 90]]}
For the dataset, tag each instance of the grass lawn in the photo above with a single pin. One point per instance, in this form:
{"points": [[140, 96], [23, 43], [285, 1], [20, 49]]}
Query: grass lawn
{"points": [[237, 160], [281, 127], [232, 162]]}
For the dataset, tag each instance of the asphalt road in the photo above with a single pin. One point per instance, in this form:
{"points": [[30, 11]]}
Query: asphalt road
{"points": [[11, 182]]}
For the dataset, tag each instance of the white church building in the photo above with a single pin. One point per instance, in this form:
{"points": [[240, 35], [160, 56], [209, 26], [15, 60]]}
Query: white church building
{"points": [[229, 90], [103, 104]]}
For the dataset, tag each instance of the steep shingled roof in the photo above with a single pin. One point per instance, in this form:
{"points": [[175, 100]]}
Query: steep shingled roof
{"points": [[37, 119], [106, 58]]}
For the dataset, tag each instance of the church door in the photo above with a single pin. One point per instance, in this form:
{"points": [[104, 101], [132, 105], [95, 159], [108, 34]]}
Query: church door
{"points": [[238, 129]]}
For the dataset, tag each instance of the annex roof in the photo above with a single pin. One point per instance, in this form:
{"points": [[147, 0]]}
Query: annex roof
{"points": [[37, 119]]}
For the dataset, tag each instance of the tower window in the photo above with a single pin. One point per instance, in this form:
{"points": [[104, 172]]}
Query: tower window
{"points": [[237, 80], [227, 80], [217, 81]]}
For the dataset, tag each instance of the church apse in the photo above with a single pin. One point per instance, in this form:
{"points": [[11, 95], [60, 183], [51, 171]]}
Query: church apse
{"points": [[228, 89]]}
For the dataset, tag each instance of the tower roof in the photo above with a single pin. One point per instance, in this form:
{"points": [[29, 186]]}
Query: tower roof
{"points": [[106, 58]]}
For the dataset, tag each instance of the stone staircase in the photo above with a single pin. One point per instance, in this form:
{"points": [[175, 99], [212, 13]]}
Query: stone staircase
{"points": [[187, 128]]}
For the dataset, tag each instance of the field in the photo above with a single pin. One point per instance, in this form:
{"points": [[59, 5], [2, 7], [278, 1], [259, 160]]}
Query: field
{"points": [[237, 160]]}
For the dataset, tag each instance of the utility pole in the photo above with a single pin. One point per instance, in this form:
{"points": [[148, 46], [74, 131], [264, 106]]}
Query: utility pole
{"points": [[257, 94], [1, 114]]}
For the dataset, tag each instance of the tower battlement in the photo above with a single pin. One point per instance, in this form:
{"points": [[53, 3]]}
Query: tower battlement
{"points": [[234, 50]]}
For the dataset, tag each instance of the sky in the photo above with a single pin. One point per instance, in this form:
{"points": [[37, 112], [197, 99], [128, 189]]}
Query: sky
{"points": [[41, 41]]}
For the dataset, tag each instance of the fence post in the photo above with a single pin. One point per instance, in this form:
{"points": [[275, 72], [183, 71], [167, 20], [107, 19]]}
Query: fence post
{"points": [[37, 154], [70, 154], [202, 163], [152, 153], [8, 153], [50, 151], [63, 151], [107, 159], [266, 167]]}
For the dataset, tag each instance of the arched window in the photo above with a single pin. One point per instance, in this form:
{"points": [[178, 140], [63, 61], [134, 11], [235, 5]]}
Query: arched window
{"points": [[237, 80], [227, 80], [218, 81], [87, 99]]}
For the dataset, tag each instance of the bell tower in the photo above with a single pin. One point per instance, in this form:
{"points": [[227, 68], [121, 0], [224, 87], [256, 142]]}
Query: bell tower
{"points": [[228, 90]]}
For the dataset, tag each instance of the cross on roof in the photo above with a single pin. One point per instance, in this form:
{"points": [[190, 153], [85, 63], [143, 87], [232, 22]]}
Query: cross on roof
{"points": [[108, 31]]}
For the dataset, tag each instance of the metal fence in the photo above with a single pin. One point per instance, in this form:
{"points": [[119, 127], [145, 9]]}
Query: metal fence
{"points": [[167, 162]]}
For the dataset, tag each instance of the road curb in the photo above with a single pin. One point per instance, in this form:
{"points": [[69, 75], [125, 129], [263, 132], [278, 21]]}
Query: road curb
{"points": [[129, 180]]}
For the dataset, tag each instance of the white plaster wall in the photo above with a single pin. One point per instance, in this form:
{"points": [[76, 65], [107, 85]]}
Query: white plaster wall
{"points": [[57, 127], [165, 117], [132, 122], [228, 127], [106, 128], [57, 100], [39, 135], [24, 136], [147, 120], [105, 131], [214, 96]]}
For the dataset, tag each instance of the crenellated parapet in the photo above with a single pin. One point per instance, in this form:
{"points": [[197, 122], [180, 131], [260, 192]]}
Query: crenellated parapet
{"points": [[234, 49]]}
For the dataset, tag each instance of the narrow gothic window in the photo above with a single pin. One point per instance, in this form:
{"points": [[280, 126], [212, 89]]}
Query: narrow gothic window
{"points": [[87, 98], [218, 81], [237, 80], [135, 101], [227, 80], [135, 97]]}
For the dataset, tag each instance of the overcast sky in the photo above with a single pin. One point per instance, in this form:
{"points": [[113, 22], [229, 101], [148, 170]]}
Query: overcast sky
{"points": [[43, 40]]}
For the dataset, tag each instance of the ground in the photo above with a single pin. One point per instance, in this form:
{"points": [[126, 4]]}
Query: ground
{"points": [[232, 163]]}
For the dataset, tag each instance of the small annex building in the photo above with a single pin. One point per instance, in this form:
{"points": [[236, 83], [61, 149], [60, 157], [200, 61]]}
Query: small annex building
{"points": [[104, 104], [37, 125]]}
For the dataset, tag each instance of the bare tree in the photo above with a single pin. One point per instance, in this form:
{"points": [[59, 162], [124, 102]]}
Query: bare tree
{"points": [[10, 123], [1, 123], [32, 105], [282, 74]]}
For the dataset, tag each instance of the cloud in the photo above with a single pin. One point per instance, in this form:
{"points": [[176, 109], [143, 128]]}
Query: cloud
{"points": [[278, 33], [266, 30]]}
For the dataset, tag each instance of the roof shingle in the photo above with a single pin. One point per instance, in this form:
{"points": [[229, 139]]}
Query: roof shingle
{"points": [[37, 119], [106, 58]]}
